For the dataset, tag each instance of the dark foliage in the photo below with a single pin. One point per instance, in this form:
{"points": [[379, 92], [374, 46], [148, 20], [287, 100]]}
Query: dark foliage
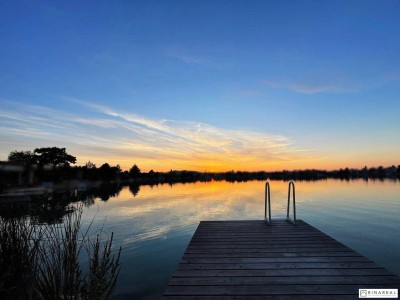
{"points": [[22, 157], [41, 262], [54, 156], [134, 171]]}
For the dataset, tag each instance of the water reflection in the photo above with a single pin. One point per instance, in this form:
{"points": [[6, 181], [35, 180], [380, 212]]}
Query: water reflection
{"points": [[134, 189], [154, 224], [51, 207]]}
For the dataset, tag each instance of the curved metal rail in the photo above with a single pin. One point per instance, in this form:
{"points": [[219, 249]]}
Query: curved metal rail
{"points": [[291, 184], [267, 207]]}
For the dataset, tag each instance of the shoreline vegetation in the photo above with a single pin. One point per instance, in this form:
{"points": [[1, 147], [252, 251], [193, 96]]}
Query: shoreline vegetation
{"points": [[46, 167], [56, 261], [45, 251]]}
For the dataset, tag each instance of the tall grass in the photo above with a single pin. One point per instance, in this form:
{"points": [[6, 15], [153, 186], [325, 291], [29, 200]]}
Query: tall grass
{"points": [[42, 261], [18, 258]]}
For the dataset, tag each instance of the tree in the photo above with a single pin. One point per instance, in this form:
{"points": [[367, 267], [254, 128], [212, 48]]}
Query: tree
{"points": [[134, 171], [90, 165], [54, 156], [117, 169], [22, 157], [108, 172]]}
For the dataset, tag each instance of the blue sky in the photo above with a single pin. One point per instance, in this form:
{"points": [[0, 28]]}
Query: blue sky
{"points": [[205, 85]]}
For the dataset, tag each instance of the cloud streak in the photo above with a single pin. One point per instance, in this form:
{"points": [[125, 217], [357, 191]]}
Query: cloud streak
{"points": [[102, 134], [186, 56], [304, 87]]}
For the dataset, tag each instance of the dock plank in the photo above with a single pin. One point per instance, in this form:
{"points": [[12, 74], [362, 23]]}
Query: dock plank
{"points": [[254, 260], [264, 280]]}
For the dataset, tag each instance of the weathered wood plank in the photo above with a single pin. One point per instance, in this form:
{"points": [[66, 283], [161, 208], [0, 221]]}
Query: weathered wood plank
{"points": [[271, 246], [263, 297], [347, 265], [259, 230], [205, 281], [252, 260], [224, 260], [272, 250], [293, 289], [270, 241], [282, 272], [252, 241], [271, 254]]}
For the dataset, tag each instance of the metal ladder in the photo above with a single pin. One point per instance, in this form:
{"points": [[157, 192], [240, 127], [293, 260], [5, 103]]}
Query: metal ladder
{"points": [[267, 207]]}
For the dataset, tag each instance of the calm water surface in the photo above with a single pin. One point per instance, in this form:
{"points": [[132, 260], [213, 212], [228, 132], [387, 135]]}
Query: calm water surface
{"points": [[155, 226]]}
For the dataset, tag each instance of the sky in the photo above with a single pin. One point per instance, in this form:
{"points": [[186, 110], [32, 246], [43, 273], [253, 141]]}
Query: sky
{"points": [[203, 85]]}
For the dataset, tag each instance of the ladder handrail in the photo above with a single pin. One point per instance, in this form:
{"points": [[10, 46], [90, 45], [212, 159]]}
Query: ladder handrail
{"points": [[291, 184], [267, 206]]}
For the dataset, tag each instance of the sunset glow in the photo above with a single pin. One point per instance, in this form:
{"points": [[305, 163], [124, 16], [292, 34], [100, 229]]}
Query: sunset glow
{"points": [[171, 86]]}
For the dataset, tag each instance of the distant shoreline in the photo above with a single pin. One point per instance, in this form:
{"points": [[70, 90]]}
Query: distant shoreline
{"points": [[23, 176]]}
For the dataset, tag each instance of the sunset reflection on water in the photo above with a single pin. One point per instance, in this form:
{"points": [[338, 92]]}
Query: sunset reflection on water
{"points": [[155, 226]]}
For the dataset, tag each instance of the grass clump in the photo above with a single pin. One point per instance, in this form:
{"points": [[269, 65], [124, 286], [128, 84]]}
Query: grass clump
{"points": [[18, 258], [42, 261]]}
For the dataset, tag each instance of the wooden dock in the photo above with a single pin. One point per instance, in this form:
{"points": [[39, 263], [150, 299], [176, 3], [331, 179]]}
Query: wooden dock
{"points": [[254, 260]]}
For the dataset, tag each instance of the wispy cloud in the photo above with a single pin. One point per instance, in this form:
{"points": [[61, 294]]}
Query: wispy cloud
{"points": [[305, 87], [311, 89], [186, 56], [104, 134]]}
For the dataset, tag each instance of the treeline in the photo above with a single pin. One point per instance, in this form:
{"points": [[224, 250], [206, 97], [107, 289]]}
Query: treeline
{"points": [[52, 164]]}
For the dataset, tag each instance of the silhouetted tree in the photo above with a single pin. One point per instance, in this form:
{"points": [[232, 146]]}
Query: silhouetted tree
{"points": [[54, 156], [108, 172], [90, 165], [134, 171], [22, 157], [381, 172], [105, 171]]}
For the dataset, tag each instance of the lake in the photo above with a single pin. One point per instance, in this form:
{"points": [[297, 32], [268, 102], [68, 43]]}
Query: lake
{"points": [[155, 224]]}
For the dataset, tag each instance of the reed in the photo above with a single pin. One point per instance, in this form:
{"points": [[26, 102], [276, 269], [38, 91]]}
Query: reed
{"points": [[43, 261], [104, 270], [18, 258]]}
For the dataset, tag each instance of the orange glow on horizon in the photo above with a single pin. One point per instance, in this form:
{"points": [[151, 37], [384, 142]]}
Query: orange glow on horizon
{"points": [[249, 164]]}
